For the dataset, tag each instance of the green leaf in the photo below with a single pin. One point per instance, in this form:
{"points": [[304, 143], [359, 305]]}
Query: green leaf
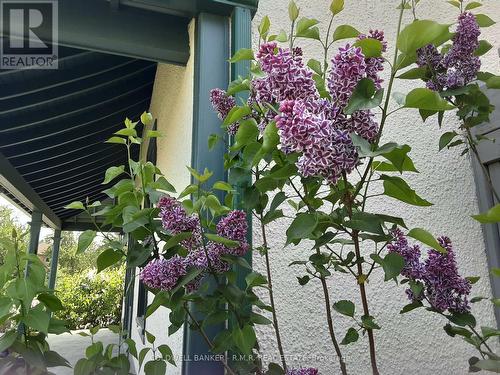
{"points": [[365, 222], [351, 336], [411, 306], [155, 367], [419, 34], [306, 28], [473, 5], [493, 82], [222, 185], [301, 227], [315, 66], [247, 133], [399, 159], [484, 21], [270, 137], [492, 365], [393, 264], [365, 96], [337, 6], [150, 337], [118, 140], [415, 73], [293, 11], [147, 118], [370, 47], [426, 238], [127, 132], [85, 240], [107, 258], [112, 173], [397, 188], [166, 353], [222, 240], [51, 301], [242, 54], [7, 340], [483, 48], [463, 319], [446, 138], [303, 280], [244, 338], [264, 27], [345, 32], [369, 322], [76, 205], [38, 320], [345, 307], [255, 279], [423, 98]]}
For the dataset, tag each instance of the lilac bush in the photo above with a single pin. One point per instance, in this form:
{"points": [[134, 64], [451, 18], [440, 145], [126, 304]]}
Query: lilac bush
{"points": [[307, 135]]}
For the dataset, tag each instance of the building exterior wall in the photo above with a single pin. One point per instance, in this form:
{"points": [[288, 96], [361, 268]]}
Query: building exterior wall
{"points": [[414, 343], [172, 107]]}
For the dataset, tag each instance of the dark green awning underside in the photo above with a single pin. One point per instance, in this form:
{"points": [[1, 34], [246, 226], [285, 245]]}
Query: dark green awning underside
{"points": [[54, 123]]}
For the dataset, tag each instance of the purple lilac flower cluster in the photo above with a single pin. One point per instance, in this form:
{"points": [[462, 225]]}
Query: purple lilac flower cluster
{"points": [[459, 65], [165, 273], [286, 76], [316, 128], [303, 371], [444, 288], [222, 104], [326, 150]]}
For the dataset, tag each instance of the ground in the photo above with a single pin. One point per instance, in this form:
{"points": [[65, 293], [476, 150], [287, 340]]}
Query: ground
{"points": [[72, 346]]}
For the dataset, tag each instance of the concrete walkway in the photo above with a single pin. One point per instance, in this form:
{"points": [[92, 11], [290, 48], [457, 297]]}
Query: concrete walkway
{"points": [[72, 346]]}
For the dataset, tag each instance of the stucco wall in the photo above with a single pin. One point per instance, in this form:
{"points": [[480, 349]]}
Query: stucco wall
{"points": [[172, 106], [413, 343]]}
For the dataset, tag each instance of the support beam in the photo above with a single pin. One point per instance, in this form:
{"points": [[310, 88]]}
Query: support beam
{"points": [[55, 258], [241, 37], [211, 71], [16, 185], [35, 226]]}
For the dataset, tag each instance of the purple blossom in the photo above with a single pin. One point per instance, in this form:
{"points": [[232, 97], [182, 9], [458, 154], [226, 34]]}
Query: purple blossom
{"points": [[348, 68], [303, 371], [286, 76], [175, 219], [234, 226], [413, 268], [459, 66], [222, 104], [326, 150], [375, 65], [163, 273], [444, 288]]}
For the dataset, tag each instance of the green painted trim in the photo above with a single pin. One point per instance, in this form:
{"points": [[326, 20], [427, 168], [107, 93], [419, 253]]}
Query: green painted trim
{"points": [[190, 8], [56, 245], [241, 34], [211, 71]]}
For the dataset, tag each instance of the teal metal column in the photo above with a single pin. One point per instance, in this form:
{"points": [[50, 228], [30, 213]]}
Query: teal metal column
{"points": [[35, 225], [55, 258], [211, 71], [241, 37]]}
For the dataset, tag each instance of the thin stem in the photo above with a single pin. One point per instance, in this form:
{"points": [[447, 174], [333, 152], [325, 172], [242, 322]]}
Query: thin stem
{"points": [[329, 320], [326, 295], [207, 340], [271, 294]]}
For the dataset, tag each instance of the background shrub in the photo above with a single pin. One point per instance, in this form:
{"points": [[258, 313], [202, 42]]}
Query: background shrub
{"points": [[91, 298]]}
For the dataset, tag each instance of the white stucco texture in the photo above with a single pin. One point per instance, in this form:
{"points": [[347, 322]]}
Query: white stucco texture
{"points": [[413, 343], [172, 106]]}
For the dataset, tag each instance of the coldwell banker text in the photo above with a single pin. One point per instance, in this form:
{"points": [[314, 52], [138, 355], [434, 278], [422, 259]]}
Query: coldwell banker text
{"points": [[29, 34]]}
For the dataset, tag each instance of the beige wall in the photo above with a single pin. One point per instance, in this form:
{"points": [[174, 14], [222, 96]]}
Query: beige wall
{"points": [[414, 343], [172, 106]]}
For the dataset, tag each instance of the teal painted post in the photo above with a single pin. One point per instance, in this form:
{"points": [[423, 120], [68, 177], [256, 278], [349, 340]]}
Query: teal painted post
{"points": [[241, 37], [35, 225], [211, 71], [55, 258]]}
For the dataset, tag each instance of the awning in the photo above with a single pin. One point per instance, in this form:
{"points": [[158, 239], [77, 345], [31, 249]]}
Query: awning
{"points": [[54, 124]]}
